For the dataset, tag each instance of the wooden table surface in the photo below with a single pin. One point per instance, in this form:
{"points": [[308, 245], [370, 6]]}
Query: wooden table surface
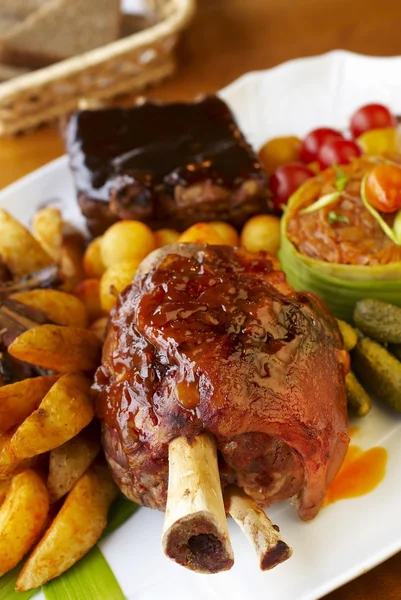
{"points": [[229, 38]]}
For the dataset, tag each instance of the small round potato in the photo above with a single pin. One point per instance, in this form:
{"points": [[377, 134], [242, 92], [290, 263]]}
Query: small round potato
{"points": [[164, 237], [88, 291], [262, 232], [226, 231], [115, 279], [201, 233], [126, 240], [93, 264]]}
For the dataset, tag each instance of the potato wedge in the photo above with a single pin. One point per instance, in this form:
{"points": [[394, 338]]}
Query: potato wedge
{"points": [[9, 464], [92, 261], [88, 292], [47, 228], [71, 266], [65, 410], [22, 516], [60, 349], [60, 307], [70, 461], [99, 328], [74, 531], [19, 250], [4, 487], [18, 400]]}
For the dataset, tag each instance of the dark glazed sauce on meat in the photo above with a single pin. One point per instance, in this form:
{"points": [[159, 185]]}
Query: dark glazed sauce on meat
{"points": [[158, 144]]}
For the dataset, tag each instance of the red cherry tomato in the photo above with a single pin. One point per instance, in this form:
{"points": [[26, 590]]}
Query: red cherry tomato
{"points": [[286, 180], [338, 152], [383, 188], [315, 140], [371, 116]]}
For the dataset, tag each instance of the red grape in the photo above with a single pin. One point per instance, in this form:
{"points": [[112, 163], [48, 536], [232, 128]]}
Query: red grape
{"points": [[315, 140], [286, 180], [371, 116], [338, 152]]}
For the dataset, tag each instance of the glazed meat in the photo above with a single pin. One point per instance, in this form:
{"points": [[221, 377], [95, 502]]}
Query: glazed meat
{"points": [[169, 165], [212, 338]]}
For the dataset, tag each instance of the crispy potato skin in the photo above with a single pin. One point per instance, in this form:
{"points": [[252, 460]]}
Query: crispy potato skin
{"points": [[74, 531], [60, 349], [68, 462], [22, 516], [47, 228], [60, 307], [19, 250], [18, 400], [65, 410]]}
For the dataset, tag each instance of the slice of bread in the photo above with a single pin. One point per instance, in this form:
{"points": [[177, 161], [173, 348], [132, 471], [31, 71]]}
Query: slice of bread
{"points": [[57, 29]]}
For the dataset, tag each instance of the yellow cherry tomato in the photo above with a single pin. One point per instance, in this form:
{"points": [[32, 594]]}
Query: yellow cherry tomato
{"points": [[262, 232], [380, 141], [280, 151]]}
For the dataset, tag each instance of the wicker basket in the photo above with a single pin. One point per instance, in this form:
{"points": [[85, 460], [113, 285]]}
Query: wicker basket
{"points": [[126, 65]]}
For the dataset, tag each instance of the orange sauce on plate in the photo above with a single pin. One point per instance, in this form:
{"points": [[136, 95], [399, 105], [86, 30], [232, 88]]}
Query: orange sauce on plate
{"points": [[361, 473]]}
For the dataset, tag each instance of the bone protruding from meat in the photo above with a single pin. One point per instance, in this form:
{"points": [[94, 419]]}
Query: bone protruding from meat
{"points": [[260, 531], [195, 533]]}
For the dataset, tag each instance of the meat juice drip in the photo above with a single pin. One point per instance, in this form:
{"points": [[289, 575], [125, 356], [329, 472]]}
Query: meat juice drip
{"points": [[361, 472]]}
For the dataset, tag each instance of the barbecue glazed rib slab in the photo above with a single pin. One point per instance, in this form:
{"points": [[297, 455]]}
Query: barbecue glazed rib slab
{"points": [[212, 338], [169, 165]]}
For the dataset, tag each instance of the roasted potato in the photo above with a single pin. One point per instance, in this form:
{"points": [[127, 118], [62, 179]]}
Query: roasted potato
{"points": [[74, 531], [164, 237], [47, 228], [69, 462], [60, 349], [88, 291], [60, 307], [114, 280], [201, 233], [22, 516], [262, 232], [92, 261], [65, 410], [226, 231], [18, 400], [4, 487], [9, 464], [71, 261], [19, 251], [126, 240]]}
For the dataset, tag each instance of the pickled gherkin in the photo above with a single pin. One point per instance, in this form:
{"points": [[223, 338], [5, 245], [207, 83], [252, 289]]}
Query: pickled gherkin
{"points": [[349, 335], [379, 370], [358, 400], [379, 320]]}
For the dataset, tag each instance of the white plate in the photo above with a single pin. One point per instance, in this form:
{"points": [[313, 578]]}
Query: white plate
{"points": [[348, 537]]}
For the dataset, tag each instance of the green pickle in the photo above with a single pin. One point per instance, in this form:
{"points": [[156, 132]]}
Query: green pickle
{"points": [[379, 320], [358, 400], [349, 335], [378, 370]]}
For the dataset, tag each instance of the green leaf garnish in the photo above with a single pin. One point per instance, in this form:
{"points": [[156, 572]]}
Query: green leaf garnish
{"points": [[341, 179], [335, 218], [322, 202], [7, 585], [89, 578], [393, 233], [120, 511]]}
